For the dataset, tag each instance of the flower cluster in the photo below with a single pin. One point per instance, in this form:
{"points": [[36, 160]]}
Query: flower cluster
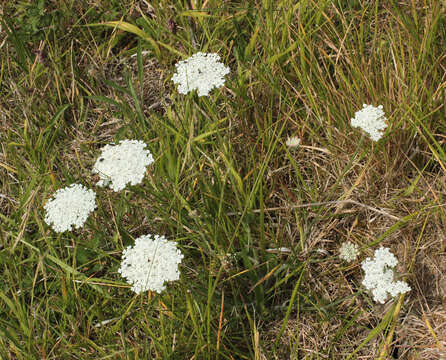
{"points": [[293, 141], [348, 251], [202, 72], [150, 262], [379, 276], [153, 260], [122, 164], [370, 119], [70, 206]]}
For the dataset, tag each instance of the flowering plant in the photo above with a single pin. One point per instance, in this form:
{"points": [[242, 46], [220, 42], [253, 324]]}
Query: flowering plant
{"points": [[122, 164], [348, 251], [370, 119], [70, 206], [202, 72], [379, 276], [293, 141], [150, 262]]}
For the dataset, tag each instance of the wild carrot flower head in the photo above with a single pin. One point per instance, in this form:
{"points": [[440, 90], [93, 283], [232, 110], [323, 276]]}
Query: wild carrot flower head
{"points": [[121, 164], [370, 119], [348, 251], [69, 207], [379, 276], [150, 262], [293, 141], [202, 72]]}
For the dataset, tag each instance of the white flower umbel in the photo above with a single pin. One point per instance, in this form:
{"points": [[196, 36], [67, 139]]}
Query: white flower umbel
{"points": [[370, 119], [150, 262], [379, 276], [348, 251], [293, 141], [121, 164], [70, 207], [202, 72]]}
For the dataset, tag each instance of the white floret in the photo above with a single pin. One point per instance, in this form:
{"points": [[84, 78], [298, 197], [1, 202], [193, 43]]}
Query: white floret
{"points": [[399, 287], [119, 165], [150, 263], [293, 141], [202, 72], [384, 257], [379, 276], [70, 207], [380, 294], [348, 251], [370, 119]]}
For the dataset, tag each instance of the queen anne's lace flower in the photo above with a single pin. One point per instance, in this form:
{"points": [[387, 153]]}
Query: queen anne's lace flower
{"points": [[70, 206], [370, 119], [348, 251], [122, 164], [293, 141], [202, 72], [379, 276], [150, 262]]}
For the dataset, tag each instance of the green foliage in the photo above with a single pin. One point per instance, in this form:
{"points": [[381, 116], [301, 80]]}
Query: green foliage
{"points": [[32, 18]]}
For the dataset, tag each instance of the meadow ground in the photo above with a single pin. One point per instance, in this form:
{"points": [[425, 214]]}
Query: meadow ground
{"points": [[259, 223]]}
